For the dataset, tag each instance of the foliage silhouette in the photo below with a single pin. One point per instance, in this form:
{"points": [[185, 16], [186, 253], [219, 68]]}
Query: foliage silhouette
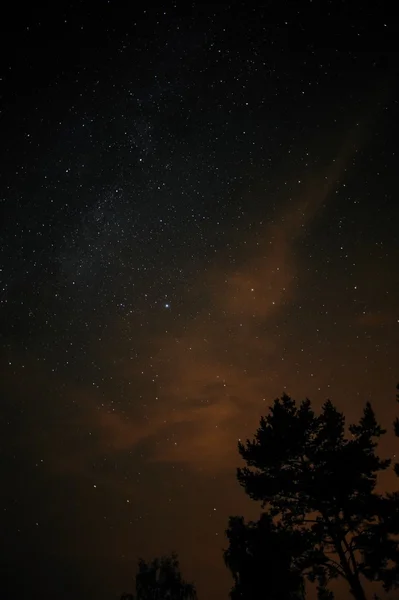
{"points": [[318, 482], [262, 558], [161, 579], [380, 543]]}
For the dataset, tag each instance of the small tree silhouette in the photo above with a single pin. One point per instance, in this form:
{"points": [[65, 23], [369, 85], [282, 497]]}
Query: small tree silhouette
{"points": [[161, 579]]}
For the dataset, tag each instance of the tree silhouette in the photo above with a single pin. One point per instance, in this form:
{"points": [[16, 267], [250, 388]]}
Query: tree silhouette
{"points": [[319, 483], [380, 545], [262, 559], [161, 579]]}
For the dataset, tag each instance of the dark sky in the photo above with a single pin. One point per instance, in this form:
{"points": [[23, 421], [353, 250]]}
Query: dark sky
{"points": [[199, 211]]}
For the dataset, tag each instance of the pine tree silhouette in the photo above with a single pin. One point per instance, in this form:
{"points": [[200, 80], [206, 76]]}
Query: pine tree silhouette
{"points": [[318, 482]]}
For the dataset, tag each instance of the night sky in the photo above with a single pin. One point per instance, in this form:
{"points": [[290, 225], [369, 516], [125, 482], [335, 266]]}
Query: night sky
{"points": [[199, 211]]}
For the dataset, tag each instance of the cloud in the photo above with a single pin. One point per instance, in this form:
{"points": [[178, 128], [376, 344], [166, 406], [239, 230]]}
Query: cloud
{"points": [[215, 371], [211, 372], [376, 319]]}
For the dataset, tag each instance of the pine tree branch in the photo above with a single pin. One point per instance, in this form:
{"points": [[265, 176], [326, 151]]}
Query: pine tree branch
{"points": [[352, 558], [336, 566]]}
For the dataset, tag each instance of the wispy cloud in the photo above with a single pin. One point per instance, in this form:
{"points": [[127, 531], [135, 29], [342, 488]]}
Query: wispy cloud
{"points": [[213, 373]]}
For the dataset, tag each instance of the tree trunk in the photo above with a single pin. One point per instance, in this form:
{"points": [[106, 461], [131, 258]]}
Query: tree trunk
{"points": [[352, 577], [356, 588]]}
